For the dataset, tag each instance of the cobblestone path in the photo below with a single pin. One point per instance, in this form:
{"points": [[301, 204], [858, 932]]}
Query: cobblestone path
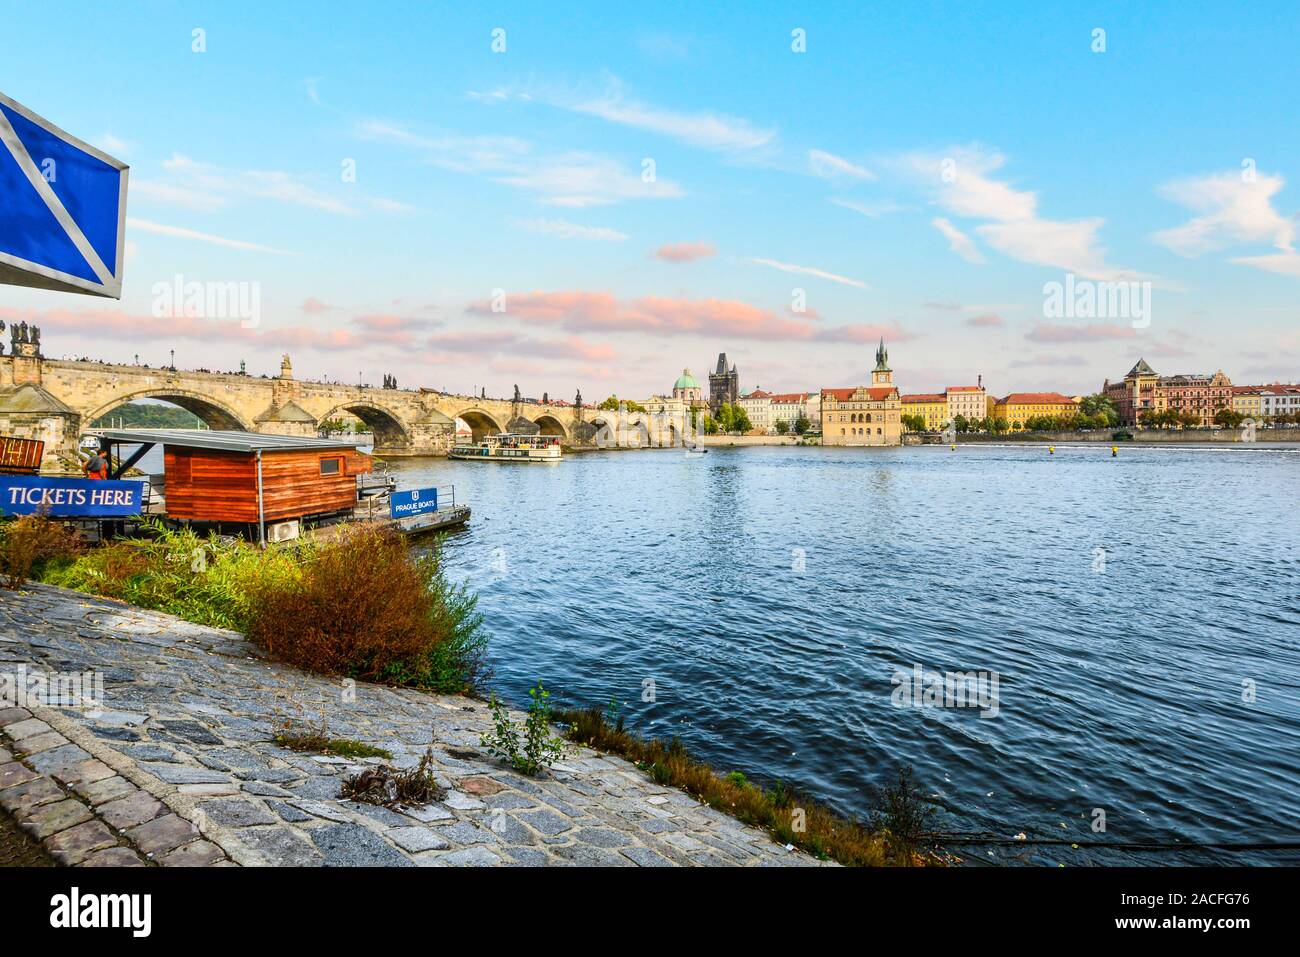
{"points": [[178, 766]]}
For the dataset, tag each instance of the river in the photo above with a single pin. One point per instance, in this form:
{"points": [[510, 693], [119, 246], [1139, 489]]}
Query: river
{"points": [[1141, 615]]}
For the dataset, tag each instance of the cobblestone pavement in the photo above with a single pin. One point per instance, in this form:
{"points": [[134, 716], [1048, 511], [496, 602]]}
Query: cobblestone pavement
{"points": [[178, 766]]}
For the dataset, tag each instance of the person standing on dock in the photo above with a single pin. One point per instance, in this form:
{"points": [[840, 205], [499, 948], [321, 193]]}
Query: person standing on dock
{"points": [[96, 466]]}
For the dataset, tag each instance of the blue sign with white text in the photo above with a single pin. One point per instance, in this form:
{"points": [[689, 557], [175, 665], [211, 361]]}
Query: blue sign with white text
{"points": [[69, 497], [413, 502]]}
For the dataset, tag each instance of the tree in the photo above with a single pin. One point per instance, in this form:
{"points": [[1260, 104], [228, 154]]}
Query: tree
{"points": [[961, 424], [999, 425], [802, 424], [782, 426], [609, 405], [1229, 418], [1100, 405]]}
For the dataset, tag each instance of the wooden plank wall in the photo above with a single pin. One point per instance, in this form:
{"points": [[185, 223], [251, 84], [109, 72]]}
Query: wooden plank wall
{"points": [[212, 486]]}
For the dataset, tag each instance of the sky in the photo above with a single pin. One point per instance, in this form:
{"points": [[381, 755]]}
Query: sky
{"points": [[594, 196]]}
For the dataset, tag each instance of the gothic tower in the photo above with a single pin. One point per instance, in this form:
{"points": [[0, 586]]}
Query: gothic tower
{"points": [[882, 374]]}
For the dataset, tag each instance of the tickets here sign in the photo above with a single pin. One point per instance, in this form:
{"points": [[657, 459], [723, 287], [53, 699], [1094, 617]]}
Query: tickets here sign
{"points": [[69, 497]]}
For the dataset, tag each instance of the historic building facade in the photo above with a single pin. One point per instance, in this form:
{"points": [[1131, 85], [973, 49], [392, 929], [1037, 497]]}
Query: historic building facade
{"points": [[967, 401], [1016, 407], [930, 406], [686, 390], [1142, 390], [724, 385], [865, 415]]}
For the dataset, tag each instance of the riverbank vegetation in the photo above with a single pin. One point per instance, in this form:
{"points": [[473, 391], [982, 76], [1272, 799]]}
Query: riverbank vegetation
{"points": [[316, 739], [893, 837], [31, 543], [360, 606]]}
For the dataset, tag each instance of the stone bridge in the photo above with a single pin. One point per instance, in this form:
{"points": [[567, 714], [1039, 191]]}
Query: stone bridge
{"points": [[56, 400]]}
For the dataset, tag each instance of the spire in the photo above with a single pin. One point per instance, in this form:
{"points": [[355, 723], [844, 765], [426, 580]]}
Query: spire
{"points": [[882, 356]]}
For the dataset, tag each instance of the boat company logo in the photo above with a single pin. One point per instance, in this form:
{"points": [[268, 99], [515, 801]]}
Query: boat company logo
{"points": [[78, 689], [953, 689], [73, 910]]}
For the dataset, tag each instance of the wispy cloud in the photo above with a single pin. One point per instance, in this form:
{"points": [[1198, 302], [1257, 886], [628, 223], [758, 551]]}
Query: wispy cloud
{"points": [[1100, 331], [563, 229], [830, 166], [180, 232], [572, 179], [708, 130], [986, 321], [958, 241], [810, 271], [961, 181]]}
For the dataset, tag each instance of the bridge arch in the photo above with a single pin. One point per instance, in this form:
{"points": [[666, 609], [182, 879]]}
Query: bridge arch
{"points": [[480, 422], [385, 425], [550, 425], [213, 413]]}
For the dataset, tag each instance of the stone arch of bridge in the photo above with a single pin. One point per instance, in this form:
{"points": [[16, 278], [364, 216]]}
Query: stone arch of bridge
{"points": [[212, 413], [480, 422], [385, 425], [550, 425]]}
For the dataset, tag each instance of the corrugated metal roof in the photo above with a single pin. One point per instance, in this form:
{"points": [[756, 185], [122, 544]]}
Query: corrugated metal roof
{"points": [[222, 441]]}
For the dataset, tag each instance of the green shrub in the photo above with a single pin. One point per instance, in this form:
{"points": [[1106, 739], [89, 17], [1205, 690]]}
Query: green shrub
{"points": [[31, 544], [528, 747]]}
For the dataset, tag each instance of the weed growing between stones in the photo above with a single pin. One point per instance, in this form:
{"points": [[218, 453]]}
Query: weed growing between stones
{"points": [[788, 817], [529, 746], [315, 739], [389, 787]]}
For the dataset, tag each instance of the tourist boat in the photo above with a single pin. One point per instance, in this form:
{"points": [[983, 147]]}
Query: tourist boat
{"points": [[696, 450], [510, 447]]}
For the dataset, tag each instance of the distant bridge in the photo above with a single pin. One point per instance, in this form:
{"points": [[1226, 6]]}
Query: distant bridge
{"points": [[57, 400]]}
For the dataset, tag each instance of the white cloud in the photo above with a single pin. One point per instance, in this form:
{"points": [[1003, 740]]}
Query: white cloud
{"points": [[960, 181], [1287, 264], [709, 130], [958, 241], [563, 229], [810, 271], [1234, 209], [870, 210], [830, 166], [572, 179], [196, 185], [180, 232]]}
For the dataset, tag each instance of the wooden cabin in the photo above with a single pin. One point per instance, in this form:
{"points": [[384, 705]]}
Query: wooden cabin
{"points": [[244, 477]]}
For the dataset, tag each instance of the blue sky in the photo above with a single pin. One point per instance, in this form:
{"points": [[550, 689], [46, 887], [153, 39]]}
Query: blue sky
{"points": [[1172, 157]]}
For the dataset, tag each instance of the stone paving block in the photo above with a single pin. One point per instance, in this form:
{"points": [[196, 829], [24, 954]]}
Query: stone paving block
{"points": [[10, 716], [85, 772], [355, 845], [195, 854], [77, 843], [466, 832], [5, 756], [14, 773], [280, 846], [527, 857], [480, 785], [463, 802], [40, 742], [234, 812], [427, 813], [545, 822], [58, 759], [45, 820], [103, 791], [584, 855], [114, 857], [416, 839], [162, 834], [184, 774], [129, 811], [644, 857], [20, 797], [470, 857], [27, 729]]}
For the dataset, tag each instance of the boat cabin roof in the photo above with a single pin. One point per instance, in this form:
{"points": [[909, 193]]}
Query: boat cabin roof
{"points": [[222, 441]]}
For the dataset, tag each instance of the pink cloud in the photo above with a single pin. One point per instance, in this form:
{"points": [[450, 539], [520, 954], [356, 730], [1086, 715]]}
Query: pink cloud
{"points": [[581, 311], [991, 321], [314, 307], [684, 252]]}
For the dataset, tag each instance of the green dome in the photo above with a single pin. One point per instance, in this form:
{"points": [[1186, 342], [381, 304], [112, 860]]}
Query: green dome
{"points": [[686, 381]]}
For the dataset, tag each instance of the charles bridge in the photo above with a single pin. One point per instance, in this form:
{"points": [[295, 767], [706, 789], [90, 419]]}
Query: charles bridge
{"points": [[56, 400]]}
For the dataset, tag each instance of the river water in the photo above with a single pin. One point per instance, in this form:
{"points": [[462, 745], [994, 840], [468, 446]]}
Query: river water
{"points": [[1131, 608]]}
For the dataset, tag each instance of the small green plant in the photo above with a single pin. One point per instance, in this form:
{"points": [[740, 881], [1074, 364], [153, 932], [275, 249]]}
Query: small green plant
{"points": [[738, 779], [902, 814], [528, 746]]}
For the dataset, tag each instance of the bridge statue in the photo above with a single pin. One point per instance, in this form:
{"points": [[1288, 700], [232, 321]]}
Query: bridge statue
{"points": [[518, 397]]}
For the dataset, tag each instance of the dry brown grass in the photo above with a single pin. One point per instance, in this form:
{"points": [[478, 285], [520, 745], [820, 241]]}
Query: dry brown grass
{"points": [[390, 787], [786, 816], [28, 543]]}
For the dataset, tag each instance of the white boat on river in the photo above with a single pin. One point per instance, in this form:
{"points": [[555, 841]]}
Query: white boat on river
{"points": [[510, 447]]}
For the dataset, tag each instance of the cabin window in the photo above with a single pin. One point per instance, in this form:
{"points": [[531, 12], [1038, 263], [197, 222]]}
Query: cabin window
{"points": [[330, 466]]}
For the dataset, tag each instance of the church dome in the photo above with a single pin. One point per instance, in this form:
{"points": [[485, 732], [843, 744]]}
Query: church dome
{"points": [[686, 381]]}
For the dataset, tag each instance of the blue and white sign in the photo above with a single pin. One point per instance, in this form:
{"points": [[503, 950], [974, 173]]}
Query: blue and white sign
{"points": [[62, 208], [413, 502], [69, 497]]}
